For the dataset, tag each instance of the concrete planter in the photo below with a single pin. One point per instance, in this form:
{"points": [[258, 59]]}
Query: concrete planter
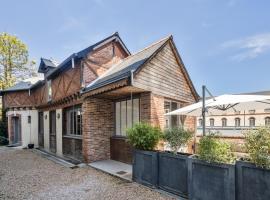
{"points": [[252, 182], [210, 181], [145, 167], [173, 173]]}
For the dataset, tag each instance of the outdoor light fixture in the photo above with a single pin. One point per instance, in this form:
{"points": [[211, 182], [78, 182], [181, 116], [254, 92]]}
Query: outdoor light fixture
{"points": [[58, 115], [45, 116]]}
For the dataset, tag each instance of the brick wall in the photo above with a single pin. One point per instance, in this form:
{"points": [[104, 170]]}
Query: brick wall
{"points": [[152, 109], [98, 127]]}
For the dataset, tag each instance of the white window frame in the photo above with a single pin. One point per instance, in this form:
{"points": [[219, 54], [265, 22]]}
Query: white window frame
{"points": [[169, 118]]}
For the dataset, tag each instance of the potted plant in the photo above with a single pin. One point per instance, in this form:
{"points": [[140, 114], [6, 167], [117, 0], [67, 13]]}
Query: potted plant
{"points": [[173, 165], [144, 138], [253, 172], [211, 173]]}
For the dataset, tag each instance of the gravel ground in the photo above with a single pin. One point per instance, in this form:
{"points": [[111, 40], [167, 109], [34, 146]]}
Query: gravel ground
{"points": [[25, 174]]}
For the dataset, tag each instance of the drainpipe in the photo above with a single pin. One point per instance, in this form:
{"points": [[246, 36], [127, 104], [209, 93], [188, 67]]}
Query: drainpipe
{"points": [[131, 96], [131, 79]]}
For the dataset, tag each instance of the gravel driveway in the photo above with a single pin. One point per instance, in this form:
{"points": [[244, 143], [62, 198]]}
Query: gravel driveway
{"points": [[25, 174]]}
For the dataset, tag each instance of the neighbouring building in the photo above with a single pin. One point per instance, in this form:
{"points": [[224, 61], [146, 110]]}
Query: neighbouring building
{"points": [[232, 126], [82, 107]]}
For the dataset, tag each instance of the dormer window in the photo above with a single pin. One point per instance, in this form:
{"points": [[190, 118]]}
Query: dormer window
{"points": [[49, 82]]}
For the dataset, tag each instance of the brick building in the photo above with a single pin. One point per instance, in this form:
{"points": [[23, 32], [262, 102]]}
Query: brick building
{"points": [[82, 107]]}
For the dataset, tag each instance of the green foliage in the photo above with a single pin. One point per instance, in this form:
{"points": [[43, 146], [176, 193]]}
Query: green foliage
{"points": [[177, 137], [144, 136], [3, 141], [212, 149], [14, 63], [258, 146]]}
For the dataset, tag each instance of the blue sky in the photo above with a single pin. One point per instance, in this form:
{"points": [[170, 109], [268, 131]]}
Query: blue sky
{"points": [[224, 44]]}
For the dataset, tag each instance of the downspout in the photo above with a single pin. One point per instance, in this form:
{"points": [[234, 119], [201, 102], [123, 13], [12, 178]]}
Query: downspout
{"points": [[131, 95]]}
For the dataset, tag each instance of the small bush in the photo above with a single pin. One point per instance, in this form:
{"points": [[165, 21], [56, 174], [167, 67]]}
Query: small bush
{"points": [[177, 137], [258, 146], [212, 149], [144, 136], [3, 141]]}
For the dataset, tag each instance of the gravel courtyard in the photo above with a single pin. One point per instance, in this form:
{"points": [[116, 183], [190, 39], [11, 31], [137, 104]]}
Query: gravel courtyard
{"points": [[25, 174]]}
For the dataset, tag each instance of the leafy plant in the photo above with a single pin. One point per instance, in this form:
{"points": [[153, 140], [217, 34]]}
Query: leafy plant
{"points": [[177, 137], [212, 149], [144, 136], [258, 146], [3, 141]]}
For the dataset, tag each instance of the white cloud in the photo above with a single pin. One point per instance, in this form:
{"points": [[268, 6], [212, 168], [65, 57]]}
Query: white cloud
{"points": [[249, 47]]}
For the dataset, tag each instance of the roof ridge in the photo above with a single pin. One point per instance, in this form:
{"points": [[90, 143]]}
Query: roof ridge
{"points": [[148, 47]]}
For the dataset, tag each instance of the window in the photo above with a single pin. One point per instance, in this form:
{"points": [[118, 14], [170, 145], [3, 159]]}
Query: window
{"points": [[173, 120], [267, 110], [251, 121], [200, 122], [237, 122], [251, 111], [224, 122], [73, 121], [49, 82], [127, 113], [212, 122], [267, 121], [29, 119]]}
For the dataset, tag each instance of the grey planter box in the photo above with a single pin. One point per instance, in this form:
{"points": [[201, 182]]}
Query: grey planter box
{"points": [[210, 181], [252, 182], [173, 173], [145, 167]]}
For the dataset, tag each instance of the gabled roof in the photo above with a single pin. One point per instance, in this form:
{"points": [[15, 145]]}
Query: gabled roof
{"points": [[45, 65], [24, 85], [124, 69], [134, 62], [81, 54]]}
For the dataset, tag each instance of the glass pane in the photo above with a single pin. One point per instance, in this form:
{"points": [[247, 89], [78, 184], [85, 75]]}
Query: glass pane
{"points": [[136, 111], [117, 119], [174, 118], [129, 113], [123, 118], [166, 110]]}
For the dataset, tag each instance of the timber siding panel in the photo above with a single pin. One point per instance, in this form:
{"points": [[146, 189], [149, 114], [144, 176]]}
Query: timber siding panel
{"points": [[163, 76], [18, 99], [100, 60]]}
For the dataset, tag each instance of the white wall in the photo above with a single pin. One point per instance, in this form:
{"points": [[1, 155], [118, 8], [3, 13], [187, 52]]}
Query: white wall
{"points": [[46, 131], [29, 131], [231, 130], [59, 120]]}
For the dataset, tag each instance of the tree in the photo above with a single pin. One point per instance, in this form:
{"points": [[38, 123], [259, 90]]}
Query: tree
{"points": [[14, 63]]}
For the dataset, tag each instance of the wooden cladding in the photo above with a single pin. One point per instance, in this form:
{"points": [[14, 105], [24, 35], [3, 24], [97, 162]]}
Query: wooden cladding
{"points": [[97, 62], [163, 75]]}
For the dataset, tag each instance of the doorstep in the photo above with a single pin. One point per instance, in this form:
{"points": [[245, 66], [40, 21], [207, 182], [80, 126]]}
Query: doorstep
{"points": [[59, 160], [114, 168]]}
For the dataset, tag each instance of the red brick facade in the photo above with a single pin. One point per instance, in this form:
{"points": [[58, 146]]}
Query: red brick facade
{"points": [[99, 123], [98, 127]]}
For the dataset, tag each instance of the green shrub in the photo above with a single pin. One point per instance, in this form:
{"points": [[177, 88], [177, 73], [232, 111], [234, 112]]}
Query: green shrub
{"points": [[144, 136], [258, 146], [212, 149], [3, 141], [177, 137]]}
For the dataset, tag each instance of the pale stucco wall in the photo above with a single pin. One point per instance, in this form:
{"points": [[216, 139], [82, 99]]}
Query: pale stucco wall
{"points": [[46, 131], [59, 120], [29, 131]]}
